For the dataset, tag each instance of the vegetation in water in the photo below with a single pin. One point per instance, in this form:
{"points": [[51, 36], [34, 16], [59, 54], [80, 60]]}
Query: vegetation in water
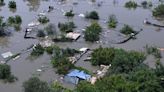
{"points": [[131, 4], [2, 27], [66, 27], [12, 4], [34, 84], [15, 21], [43, 20], [5, 73], [50, 29], [37, 50], [154, 51], [127, 30], [112, 21], [69, 13], [159, 11], [2, 2], [92, 15], [92, 32], [146, 4]]}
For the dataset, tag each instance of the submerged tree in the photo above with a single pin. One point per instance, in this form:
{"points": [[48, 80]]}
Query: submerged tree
{"points": [[127, 30], [92, 15], [34, 84], [12, 4], [159, 11], [112, 21], [92, 32], [131, 4]]}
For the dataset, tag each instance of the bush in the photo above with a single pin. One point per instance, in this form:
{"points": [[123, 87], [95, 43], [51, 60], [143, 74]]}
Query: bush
{"points": [[4, 71], [159, 11], [92, 32], [66, 27], [102, 56], [34, 84], [112, 23], [43, 20], [92, 15], [69, 14], [127, 30], [12, 4], [17, 20], [40, 33], [49, 50], [2, 2], [131, 4], [37, 50]]}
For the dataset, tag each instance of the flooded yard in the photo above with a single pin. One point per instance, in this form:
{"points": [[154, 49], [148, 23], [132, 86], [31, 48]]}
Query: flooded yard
{"points": [[23, 68]]}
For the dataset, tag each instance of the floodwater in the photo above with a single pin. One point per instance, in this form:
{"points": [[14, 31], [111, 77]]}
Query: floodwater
{"points": [[24, 68]]}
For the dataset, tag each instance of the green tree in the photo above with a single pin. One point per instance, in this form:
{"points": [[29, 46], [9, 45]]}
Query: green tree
{"points": [[34, 84], [84, 86], [92, 15], [127, 30], [92, 32], [131, 4], [37, 51], [12, 4], [159, 11], [4, 71], [69, 13], [112, 22], [102, 56]]}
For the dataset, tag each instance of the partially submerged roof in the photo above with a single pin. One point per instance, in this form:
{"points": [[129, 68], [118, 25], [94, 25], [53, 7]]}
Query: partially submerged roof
{"points": [[73, 35], [7, 54], [83, 49], [79, 74]]}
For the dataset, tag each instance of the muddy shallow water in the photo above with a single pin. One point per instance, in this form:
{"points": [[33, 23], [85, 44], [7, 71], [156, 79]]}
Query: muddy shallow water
{"points": [[23, 68]]}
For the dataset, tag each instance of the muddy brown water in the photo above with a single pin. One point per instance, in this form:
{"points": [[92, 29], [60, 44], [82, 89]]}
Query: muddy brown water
{"points": [[24, 68]]}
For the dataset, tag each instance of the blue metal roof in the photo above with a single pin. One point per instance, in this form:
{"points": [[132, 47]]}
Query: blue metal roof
{"points": [[79, 74]]}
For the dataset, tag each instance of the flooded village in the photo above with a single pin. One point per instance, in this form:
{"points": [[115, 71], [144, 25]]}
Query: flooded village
{"points": [[81, 46]]}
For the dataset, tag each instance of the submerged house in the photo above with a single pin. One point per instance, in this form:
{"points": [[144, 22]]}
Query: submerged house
{"points": [[75, 76]]}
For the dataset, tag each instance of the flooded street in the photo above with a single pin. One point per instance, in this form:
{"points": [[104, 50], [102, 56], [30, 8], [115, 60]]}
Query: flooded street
{"points": [[23, 68]]}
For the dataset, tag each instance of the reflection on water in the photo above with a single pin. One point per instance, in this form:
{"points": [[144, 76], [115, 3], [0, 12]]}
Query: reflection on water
{"points": [[33, 4]]}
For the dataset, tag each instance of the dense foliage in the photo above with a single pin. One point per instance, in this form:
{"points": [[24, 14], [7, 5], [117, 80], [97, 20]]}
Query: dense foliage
{"points": [[37, 50], [92, 15], [34, 84], [14, 20], [131, 4], [66, 27], [92, 32], [159, 11], [5, 73], [12, 4], [127, 30]]}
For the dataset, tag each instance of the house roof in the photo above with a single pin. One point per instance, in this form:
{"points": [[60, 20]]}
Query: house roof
{"points": [[79, 74]]}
